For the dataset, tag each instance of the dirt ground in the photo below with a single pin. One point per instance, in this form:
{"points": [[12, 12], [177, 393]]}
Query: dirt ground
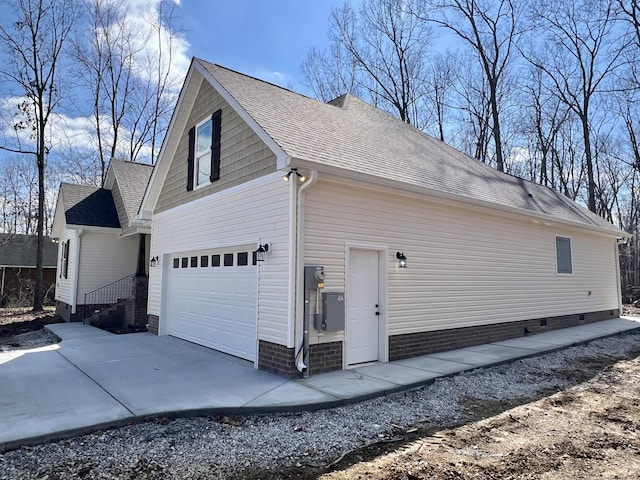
{"points": [[589, 431], [17, 321]]}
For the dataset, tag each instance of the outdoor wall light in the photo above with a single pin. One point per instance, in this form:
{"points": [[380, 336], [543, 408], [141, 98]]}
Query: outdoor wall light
{"points": [[302, 178], [261, 252], [154, 261], [402, 259]]}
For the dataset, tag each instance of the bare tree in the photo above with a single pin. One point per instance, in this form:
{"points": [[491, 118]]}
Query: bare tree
{"points": [[127, 70], [33, 44], [491, 29], [441, 79], [578, 53], [381, 52], [474, 112], [544, 119]]}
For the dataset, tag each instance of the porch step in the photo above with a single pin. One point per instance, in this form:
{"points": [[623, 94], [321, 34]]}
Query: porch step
{"points": [[111, 316]]}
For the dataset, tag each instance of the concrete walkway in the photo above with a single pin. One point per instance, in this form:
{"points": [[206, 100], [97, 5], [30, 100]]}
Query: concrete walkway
{"points": [[94, 379]]}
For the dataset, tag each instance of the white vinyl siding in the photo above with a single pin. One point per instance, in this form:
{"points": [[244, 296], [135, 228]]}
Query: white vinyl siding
{"points": [[465, 267], [104, 258], [248, 214]]}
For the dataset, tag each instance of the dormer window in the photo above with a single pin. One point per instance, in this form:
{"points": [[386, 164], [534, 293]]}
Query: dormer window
{"points": [[204, 152]]}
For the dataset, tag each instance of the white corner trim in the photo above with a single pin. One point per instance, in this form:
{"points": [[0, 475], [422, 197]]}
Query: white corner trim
{"points": [[76, 271]]}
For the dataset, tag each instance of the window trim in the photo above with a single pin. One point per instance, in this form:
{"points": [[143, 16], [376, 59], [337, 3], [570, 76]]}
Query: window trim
{"points": [[207, 154], [558, 272]]}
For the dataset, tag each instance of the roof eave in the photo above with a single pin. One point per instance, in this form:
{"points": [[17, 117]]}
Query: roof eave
{"points": [[546, 219]]}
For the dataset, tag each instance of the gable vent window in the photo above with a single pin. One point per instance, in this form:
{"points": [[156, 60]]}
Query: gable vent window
{"points": [[564, 263], [204, 152]]}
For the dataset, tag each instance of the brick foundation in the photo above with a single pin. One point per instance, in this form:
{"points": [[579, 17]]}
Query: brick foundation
{"points": [[325, 357], [424, 343], [63, 310], [153, 324], [277, 359]]}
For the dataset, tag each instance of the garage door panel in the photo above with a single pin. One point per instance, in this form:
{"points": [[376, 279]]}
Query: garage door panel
{"points": [[215, 307]]}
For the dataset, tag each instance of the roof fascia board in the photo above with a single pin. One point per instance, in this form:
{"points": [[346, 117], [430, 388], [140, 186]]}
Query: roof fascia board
{"points": [[110, 179], [179, 118], [27, 266], [91, 228], [283, 159], [391, 186], [59, 217]]}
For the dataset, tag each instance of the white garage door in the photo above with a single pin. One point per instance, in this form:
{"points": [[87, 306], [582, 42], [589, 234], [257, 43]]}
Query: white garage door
{"points": [[212, 300]]}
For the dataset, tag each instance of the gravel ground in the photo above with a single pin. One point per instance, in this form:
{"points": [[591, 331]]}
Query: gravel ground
{"points": [[23, 341], [302, 445]]}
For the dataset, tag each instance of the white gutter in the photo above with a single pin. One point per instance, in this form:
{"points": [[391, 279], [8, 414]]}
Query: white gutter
{"points": [[299, 272], [76, 271]]}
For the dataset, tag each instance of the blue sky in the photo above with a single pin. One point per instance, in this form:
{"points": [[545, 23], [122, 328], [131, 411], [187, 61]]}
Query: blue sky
{"points": [[268, 39]]}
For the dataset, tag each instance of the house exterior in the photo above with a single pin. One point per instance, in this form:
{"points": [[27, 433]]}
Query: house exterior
{"points": [[103, 249], [384, 243], [18, 268]]}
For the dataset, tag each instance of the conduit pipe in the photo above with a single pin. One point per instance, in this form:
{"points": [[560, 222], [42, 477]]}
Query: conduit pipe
{"points": [[302, 365]]}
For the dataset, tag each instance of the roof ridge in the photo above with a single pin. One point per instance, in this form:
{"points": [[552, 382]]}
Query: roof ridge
{"points": [[258, 79]]}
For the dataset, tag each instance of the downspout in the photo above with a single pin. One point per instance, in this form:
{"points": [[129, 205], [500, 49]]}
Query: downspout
{"points": [[76, 272], [618, 279], [302, 363]]}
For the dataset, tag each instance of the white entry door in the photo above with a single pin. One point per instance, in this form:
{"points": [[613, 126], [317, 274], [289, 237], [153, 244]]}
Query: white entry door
{"points": [[362, 332]]}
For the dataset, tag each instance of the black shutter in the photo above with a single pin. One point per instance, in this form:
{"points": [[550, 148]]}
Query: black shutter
{"points": [[191, 158], [216, 127]]}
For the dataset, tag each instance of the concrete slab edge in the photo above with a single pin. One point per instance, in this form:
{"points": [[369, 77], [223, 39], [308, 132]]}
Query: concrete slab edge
{"points": [[245, 411]]}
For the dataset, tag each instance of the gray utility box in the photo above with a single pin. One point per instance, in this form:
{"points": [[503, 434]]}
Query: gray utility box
{"points": [[332, 311]]}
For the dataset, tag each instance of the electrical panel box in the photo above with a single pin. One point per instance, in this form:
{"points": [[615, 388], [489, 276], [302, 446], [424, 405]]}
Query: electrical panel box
{"points": [[333, 311]]}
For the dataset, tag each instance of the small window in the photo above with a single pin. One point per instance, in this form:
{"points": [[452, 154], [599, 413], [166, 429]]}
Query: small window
{"points": [[176, 263], [194, 262], [185, 262], [204, 261], [215, 260], [255, 258], [203, 152], [563, 255], [228, 259], [243, 259]]}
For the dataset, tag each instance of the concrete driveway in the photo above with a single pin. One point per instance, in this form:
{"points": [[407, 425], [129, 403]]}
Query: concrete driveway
{"points": [[93, 379]]}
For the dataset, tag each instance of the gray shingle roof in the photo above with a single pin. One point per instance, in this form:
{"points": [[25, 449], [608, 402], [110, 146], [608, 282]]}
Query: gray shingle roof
{"points": [[352, 135], [132, 179], [20, 251], [88, 206]]}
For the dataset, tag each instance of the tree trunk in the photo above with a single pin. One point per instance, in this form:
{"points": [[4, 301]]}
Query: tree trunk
{"points": [[588, 158]]}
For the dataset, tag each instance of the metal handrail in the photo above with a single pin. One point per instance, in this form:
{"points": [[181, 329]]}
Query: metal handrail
{"points": [[109, 294]]}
